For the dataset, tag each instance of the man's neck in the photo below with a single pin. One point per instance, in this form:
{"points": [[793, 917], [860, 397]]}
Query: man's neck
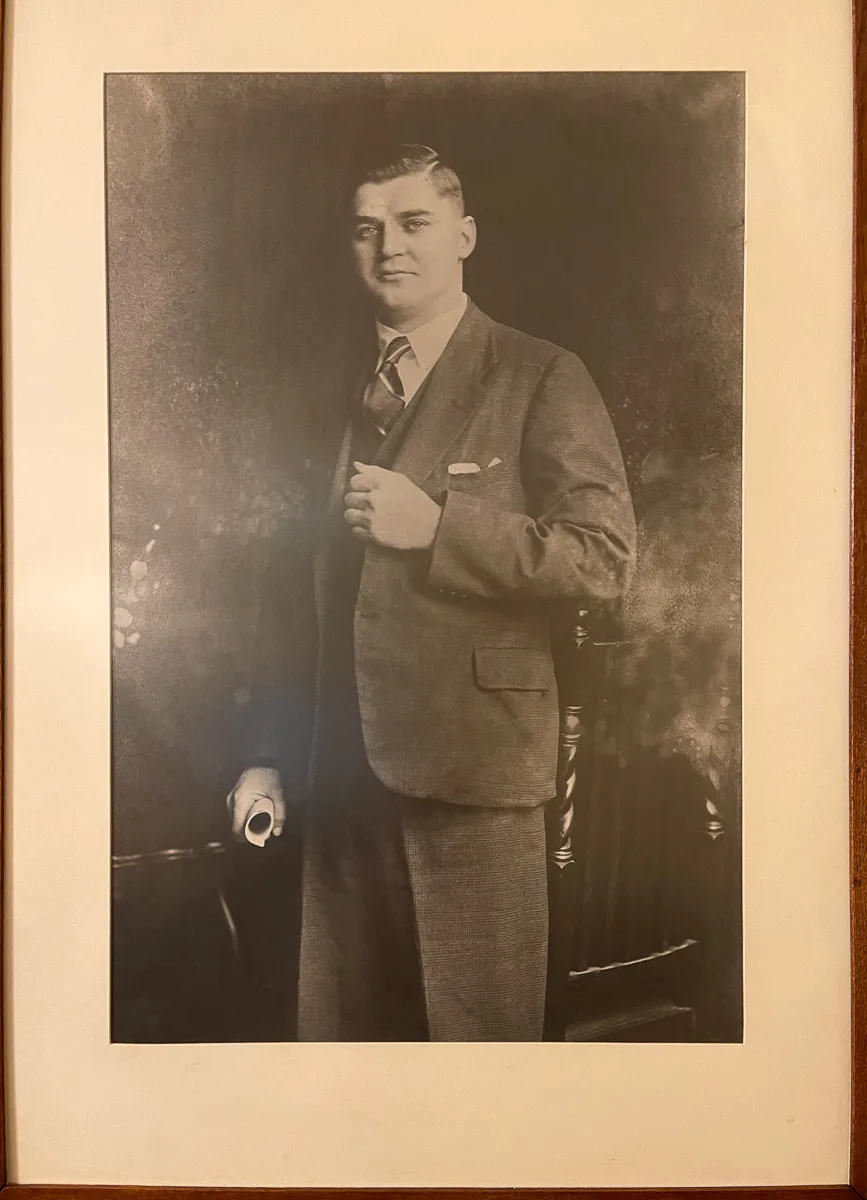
{"points": [[404, 322]]}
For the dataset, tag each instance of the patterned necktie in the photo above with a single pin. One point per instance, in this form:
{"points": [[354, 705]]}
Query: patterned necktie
{"points": [[384, 401]]}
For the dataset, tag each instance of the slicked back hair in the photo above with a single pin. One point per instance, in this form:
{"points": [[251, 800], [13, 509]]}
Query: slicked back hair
{"points": [[408, 158]]}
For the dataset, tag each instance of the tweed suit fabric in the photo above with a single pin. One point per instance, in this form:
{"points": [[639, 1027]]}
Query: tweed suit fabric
{"points": [[421, 920], [453, 662]]}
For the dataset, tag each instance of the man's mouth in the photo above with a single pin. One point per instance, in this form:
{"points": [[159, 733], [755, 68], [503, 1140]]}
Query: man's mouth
{"points": [[393, 274]]}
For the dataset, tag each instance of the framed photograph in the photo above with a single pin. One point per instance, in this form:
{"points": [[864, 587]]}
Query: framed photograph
{"points": [[433, 537]]}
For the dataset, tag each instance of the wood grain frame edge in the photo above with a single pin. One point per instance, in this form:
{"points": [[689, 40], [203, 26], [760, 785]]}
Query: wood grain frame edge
{"points": [[858, 798], [858, 625], [84, 1192]]}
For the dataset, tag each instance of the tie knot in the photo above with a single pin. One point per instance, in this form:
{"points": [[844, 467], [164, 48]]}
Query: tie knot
{"points": [[394, 351]]}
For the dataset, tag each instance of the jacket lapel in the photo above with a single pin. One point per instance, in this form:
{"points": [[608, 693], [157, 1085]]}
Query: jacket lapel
{"points": [[338, 431], [452, 393], [338, 483], [340, 435]]}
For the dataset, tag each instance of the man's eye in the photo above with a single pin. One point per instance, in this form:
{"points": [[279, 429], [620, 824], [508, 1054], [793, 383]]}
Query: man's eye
{"points": [[365, 231], [416, 225]]}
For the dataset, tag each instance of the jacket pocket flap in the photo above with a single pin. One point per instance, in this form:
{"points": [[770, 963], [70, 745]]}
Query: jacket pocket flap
{"points": [[515, 667]]}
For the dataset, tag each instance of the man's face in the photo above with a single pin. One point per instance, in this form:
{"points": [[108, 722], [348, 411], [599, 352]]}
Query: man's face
{"points": [[409, 245]]}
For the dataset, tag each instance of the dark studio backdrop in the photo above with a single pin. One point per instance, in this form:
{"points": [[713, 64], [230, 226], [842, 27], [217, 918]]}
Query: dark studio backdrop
{"points": [[610, 215]]}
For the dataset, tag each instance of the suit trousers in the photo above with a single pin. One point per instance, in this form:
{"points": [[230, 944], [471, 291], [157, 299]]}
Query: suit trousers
{"points": [[421, 920]]}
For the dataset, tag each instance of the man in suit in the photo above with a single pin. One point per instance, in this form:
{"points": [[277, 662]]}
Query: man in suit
{"points": [[478, 485]]}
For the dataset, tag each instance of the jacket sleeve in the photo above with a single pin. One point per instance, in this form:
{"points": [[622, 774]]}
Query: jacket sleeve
{"points": [[577, 539]]}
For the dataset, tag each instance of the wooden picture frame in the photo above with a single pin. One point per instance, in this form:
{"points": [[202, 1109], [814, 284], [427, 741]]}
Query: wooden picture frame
{"points": [[857, 1186]]}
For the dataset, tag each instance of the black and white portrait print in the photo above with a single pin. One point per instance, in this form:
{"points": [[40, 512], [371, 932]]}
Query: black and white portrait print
{"points": [[425, 415]]}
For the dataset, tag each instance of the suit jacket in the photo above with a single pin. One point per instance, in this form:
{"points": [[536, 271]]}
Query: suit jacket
{"points": [[456, 693]]}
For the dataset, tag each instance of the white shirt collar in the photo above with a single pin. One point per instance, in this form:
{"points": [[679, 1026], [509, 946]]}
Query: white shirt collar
{"points": [[429, 340]]}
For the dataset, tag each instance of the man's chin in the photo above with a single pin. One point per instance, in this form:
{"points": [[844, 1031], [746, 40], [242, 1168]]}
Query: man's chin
{"points": [[396, 297], [396, 288]]}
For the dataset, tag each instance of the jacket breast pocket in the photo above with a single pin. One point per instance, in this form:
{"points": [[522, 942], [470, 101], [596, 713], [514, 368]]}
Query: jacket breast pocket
{"points": [[500, 482], [513, 668]]}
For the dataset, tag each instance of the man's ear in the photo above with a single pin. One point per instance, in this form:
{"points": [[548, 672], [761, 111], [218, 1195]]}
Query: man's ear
{"points": [[468, 237]]}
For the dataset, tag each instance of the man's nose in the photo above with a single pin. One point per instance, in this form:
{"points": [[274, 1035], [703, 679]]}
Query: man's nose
{"points": [[392, 242]]}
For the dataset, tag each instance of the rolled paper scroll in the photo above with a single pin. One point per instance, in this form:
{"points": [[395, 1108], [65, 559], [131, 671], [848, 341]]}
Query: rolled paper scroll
{"points": [[260, 822]]}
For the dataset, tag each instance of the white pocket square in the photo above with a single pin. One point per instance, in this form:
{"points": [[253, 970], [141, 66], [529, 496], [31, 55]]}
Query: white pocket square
{"points": [[463, 468], [495, 462]]}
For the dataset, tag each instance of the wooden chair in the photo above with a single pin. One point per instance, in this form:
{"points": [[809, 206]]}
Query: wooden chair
{"points": [[643, 860]]}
